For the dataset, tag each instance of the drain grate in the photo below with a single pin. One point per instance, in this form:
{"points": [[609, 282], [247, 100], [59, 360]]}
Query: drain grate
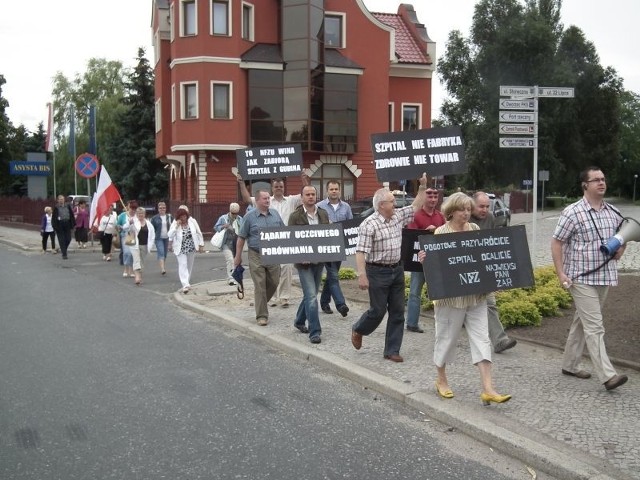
{"points": [[77, 432], [27, 438]]}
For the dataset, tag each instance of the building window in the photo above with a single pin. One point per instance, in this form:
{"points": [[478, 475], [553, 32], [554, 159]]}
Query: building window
{"points": [[222, 104], [220, 17], [334, 30], [247, 22], [189, 13], [189, 99], [173, 103], [171, 23], [334, 172], [158, 115], [411, 117]]}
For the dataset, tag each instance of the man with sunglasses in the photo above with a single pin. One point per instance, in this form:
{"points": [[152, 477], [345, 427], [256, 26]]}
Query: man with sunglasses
{"points": [[428, 218], [587, 272]]}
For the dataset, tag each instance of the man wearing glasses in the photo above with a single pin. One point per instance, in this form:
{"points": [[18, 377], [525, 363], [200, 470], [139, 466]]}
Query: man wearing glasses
{"points": [[587, 272], [380, 269], [428, 219]]}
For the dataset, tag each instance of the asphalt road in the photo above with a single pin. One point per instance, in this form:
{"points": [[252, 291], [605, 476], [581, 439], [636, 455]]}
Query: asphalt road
{"points": [[101, 379]]}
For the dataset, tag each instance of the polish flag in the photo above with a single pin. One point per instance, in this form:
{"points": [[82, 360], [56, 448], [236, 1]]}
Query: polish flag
{"points": [[105, 195], [49, 142]]}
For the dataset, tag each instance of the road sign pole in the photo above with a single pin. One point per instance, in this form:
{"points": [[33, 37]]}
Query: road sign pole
{"points": [[534, 226]]}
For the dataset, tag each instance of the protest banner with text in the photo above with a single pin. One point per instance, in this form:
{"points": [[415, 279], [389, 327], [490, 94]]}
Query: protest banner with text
{"points": [[302, 244], [476, 262], [270, 162], [350, 229], [409, 154], [410, 248]]}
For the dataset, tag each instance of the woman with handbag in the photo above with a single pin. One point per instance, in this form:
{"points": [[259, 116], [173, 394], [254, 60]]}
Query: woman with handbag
{"points": [[107, 229], [230, 224], [186, 238], [143, 235]]}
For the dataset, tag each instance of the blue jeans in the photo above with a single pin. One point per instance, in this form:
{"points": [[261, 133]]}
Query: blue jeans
{"points": [[308, 309], [162, 247], [332, 286], [386, 293], [415, 298]]}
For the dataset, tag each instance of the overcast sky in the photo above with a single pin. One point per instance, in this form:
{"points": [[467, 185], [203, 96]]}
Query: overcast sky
{"points": [[42, 37]]}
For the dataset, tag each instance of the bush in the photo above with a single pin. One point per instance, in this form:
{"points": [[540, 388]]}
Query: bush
{"points": [[347, 273], [546, 303], [519, 313]]}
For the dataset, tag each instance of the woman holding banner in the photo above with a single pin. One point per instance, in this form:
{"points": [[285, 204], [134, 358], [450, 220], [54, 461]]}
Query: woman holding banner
{"points": [[470, 311]]}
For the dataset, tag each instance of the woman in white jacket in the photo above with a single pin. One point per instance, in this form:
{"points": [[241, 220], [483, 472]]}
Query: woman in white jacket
{"points": [[145, 235], [108, 229], [186, 238]]}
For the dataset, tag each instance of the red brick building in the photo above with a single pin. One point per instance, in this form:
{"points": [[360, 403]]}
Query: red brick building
{"points": [[233, 74]]}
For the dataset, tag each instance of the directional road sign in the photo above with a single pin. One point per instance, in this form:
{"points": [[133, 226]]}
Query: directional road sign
{"points": [[520, 117], [509, 91], [518, 128], [518, 142], [557, 92], [515, 104]]}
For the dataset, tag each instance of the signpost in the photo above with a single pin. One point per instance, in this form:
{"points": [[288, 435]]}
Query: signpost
{"points": [[526, 98]]}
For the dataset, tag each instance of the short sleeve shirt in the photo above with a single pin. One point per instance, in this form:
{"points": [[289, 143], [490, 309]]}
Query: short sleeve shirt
{"points": [[583, 230], [254, 222], [380, 239]]}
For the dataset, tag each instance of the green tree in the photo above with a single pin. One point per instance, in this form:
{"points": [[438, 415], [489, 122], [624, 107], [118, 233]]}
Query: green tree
{"points": [[101, 85], [139, 175], [6, 133], [516, 43]]}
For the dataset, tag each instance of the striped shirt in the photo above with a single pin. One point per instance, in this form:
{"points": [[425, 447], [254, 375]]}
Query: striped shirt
{"points": [[583, 230], [380, 239]]}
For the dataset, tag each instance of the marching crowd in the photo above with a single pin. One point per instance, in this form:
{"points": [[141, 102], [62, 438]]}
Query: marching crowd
{"points": [[580, 264]]}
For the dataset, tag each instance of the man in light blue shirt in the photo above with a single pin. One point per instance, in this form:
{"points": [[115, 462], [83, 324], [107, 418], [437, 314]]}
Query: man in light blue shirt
{"points": [[338, 211]]}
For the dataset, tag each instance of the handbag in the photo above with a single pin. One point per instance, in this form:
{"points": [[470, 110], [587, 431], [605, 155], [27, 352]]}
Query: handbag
{"points": [[116, 240], [218, 239], [130, 239]]}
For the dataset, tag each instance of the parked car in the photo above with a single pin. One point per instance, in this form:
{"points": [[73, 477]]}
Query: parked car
{"points": [[500, 211], [360, 206]]}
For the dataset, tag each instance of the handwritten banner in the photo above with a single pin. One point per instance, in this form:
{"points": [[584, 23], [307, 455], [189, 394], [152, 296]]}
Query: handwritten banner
{"points": [[408, 154], [302, 244], [270, 162], [476, 262]]}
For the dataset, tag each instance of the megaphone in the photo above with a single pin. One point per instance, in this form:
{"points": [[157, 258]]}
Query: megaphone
{"points": [[629, 231]]}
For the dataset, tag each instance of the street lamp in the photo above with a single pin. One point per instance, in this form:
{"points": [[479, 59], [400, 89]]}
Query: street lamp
{"points": [[635, 178]]}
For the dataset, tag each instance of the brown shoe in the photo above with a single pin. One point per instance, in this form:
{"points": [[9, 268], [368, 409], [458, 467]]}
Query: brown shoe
{"points": [[356, 339], [579, 374], [394, 358], [615, 381]]}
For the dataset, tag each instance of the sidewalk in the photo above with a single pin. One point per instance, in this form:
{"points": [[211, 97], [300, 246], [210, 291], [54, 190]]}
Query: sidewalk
{"points": [[566, 427]]}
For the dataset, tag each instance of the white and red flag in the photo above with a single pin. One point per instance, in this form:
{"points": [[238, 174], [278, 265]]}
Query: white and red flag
{"points": [[105, 195], [49, 142]]}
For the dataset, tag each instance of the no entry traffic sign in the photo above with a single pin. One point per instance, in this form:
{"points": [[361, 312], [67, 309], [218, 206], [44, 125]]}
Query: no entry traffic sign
{"points": [[87, 165]]}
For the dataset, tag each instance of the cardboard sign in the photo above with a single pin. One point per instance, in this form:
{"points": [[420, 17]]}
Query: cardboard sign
{"points": [[270, 162], [408, 154], [476, 262], [410, 249], [302, 244], [350, 229]]}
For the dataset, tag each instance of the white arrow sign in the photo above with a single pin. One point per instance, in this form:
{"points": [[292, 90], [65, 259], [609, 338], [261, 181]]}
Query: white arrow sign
{"points": [[518, 142], [519, 117], [510, 91], [557, 92], [518, 129], [512, 104]]}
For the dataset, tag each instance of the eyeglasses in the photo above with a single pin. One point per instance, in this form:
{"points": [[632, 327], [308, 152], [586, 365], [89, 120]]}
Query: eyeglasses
{"points": [[597, 180]]}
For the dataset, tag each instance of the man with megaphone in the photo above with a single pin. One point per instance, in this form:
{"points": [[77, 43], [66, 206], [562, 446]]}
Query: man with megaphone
{"points": [[588, 270]]}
